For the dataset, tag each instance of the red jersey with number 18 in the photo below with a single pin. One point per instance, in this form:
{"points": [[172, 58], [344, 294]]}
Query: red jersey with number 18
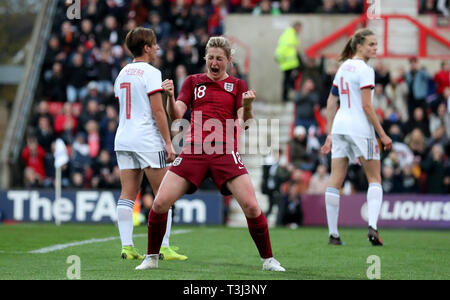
{"points": [[214, 106]]}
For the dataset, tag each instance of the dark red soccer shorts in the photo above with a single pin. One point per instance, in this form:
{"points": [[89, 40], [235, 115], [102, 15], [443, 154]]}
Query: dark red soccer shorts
{"points": [[221, 167]]}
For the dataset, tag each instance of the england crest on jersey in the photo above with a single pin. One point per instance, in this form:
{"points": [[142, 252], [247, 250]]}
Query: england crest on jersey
{"points": [[228, 86]]}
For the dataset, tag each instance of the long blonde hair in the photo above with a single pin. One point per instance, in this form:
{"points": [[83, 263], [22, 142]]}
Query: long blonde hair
{"points": [[358, 38]]}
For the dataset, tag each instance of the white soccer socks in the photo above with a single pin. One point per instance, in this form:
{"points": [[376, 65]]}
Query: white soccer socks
{"points": [[125, 221], [374, 200], [332, 196]]}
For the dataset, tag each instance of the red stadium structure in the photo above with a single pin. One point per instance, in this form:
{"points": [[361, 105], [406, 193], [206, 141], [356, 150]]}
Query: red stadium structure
{"points": [[424, 34]]}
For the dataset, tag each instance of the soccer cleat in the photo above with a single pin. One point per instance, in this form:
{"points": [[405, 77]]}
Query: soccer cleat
{"points": [[129, 252], [271, 264], [373, 237], [168, 253], [150, 262], [335, 241]]}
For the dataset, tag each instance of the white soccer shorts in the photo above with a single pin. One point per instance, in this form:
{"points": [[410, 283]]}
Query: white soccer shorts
{"points": [[141, 160], [354, 147]]}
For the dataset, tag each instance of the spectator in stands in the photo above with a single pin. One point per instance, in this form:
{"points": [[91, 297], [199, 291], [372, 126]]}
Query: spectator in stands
{"points": [[380, 101], [291, 212], [54, 83], [297, 146], [390, 177], [352, 7], [306, 102], [42, 110], [107, 138], [33, 157], [161, 28], [246, 7], [87, 35], [287, 56], [65, 125], [162, 7], [328, 75], [93, 94], [95, 11], [442, 77], [434, 167], [180, 76], [54, 53], [80, 160], [286, 7], [111, 31], [77, 180], [76, 79], [329, 7], [110, 115], [441, 117], [104, 67], [408, 182], [417, 80], [138, 11], [44, 133], [438, 136], [419, 120], [90, 112], [395, 132], [266, 7], [274, 174], [68, 37], [310, 69], [319, 181], [382, 74], [416, 142], [200, 12], [103, 171], [428, 7], [93, 138], [397, 92]]}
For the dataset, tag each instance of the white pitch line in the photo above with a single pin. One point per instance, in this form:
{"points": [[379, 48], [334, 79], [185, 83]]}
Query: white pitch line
{"points": [[93, 241]]}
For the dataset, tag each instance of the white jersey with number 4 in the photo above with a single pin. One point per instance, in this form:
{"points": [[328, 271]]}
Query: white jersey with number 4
{"points": [[352, 76], [137, 129]]}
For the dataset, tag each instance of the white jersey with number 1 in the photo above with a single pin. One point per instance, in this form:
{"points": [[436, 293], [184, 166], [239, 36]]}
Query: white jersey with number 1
{"points": [[137, 129], [352, 76]]}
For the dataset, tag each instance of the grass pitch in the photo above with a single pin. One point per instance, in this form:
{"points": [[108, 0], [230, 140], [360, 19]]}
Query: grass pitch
{"points": [[221, 253]]}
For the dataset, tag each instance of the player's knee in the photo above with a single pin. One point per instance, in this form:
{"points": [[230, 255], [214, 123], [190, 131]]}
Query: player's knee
{"points": [[251, 209], [159, 206]]}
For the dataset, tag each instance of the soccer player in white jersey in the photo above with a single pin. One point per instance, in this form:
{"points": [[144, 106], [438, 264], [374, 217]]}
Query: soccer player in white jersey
{"points": [[351, 131], [143, 143]]}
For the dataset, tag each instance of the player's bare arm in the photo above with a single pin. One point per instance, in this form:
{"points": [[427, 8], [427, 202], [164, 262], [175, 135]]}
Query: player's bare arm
{"points": [[160, 117], [332, 106], [366, 95], [245, 113], [176, 109]]}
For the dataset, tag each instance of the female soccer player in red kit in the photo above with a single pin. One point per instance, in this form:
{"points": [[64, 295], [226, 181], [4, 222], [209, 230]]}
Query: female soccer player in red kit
{"points": [[215, 98]]}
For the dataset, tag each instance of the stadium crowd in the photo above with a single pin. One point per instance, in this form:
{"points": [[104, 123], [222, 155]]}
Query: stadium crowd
{"points": [[84, 57]]}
